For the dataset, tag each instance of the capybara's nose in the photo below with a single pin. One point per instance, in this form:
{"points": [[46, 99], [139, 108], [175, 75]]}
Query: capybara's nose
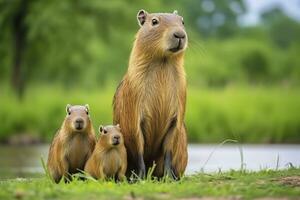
{"points": [[116, 140], [79, 123], [116, 137], [179, 34]]}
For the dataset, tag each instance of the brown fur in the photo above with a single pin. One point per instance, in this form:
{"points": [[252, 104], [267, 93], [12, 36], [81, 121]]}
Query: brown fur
{"points": [[108, 160], [149, 103], [71, 148]]}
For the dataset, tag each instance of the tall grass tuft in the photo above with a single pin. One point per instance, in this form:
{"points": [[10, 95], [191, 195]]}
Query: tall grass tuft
{"points": [[242, 165]]}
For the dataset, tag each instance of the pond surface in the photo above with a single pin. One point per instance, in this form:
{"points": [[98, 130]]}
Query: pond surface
{"points": [[25, 161]]}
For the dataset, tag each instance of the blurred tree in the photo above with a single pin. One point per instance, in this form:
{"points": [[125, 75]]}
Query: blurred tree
{"points": [[214, 17], [78, 43], [70, 41], [19, 33], [13, 17], [255, 65], [282, 29]]}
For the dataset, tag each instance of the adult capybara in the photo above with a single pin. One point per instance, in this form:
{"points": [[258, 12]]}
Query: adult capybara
{"points": [[72, 145], [149, 103], [109, 158]]}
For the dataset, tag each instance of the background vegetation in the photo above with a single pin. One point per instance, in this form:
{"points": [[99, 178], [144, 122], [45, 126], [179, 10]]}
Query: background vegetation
{"points": [[243, 80]]}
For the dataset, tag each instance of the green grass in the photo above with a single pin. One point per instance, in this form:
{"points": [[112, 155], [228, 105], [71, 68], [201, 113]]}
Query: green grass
{"points": [[234, 184], [247, 114]]}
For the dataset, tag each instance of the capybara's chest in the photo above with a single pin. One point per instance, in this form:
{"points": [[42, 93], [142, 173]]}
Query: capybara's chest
{"points": [[159, 105], [76, 152], [159, 93], [112, 163]]}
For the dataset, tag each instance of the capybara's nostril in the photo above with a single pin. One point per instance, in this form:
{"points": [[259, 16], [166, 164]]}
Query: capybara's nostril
{"points": [[79, 124], [79, 121], [116, 140], [179, 34], [116, 137]]}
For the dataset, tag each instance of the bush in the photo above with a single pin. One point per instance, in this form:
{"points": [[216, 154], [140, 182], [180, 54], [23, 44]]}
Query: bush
{"points": [[252, 115]]}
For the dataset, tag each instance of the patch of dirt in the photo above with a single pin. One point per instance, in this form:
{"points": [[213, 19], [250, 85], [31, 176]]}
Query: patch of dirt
{"points": [[261, 182], [19, 194], [132, 196], [273, 198], [290, 180], [166, 196], [213, 198]]}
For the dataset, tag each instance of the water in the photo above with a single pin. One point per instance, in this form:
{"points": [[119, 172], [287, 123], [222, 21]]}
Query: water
{"points": [[25, 161], [255, 157]]}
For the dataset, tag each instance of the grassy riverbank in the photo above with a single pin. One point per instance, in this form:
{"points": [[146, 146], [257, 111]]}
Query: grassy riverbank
{"points": [[228, 185], [247, 114]]}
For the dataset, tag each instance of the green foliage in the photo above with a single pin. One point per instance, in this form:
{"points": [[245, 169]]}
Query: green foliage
{"points": [[256, 65], [234, 184], [213, 17], [72, 41], [83, 48], [43, 110], [75, 42], [283, 30], [252, 115], [260, 115], [241, 60]]}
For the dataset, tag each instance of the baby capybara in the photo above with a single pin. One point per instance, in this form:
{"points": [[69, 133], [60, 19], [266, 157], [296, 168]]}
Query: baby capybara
{"points": [[109, 158], [72, 145]]}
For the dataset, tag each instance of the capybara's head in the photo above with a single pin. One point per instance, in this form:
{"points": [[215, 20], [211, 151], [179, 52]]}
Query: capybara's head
{"points": [[162, 34], [111, 135], [78, 117]]}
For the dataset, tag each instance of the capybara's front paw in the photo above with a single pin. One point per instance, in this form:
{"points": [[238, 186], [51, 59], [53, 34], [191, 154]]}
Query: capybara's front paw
{"points": [[169, 172], [142, 168]]}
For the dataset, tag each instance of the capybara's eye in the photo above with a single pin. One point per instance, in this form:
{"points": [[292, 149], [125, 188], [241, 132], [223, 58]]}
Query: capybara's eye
{"points": [[69, 112], [87, 112], [104, 131], [154, 22], [182, 22]]}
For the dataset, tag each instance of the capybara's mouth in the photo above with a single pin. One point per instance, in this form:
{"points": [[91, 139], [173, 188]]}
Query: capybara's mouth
{"points": [[79, 126], [116, 142], [178, 47]]}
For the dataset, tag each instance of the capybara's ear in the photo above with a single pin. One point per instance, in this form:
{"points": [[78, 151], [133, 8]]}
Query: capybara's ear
{"points": [[101, 128], [118, 127], [87, 108], [175, 12], [68, 108], [141, 17]]}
